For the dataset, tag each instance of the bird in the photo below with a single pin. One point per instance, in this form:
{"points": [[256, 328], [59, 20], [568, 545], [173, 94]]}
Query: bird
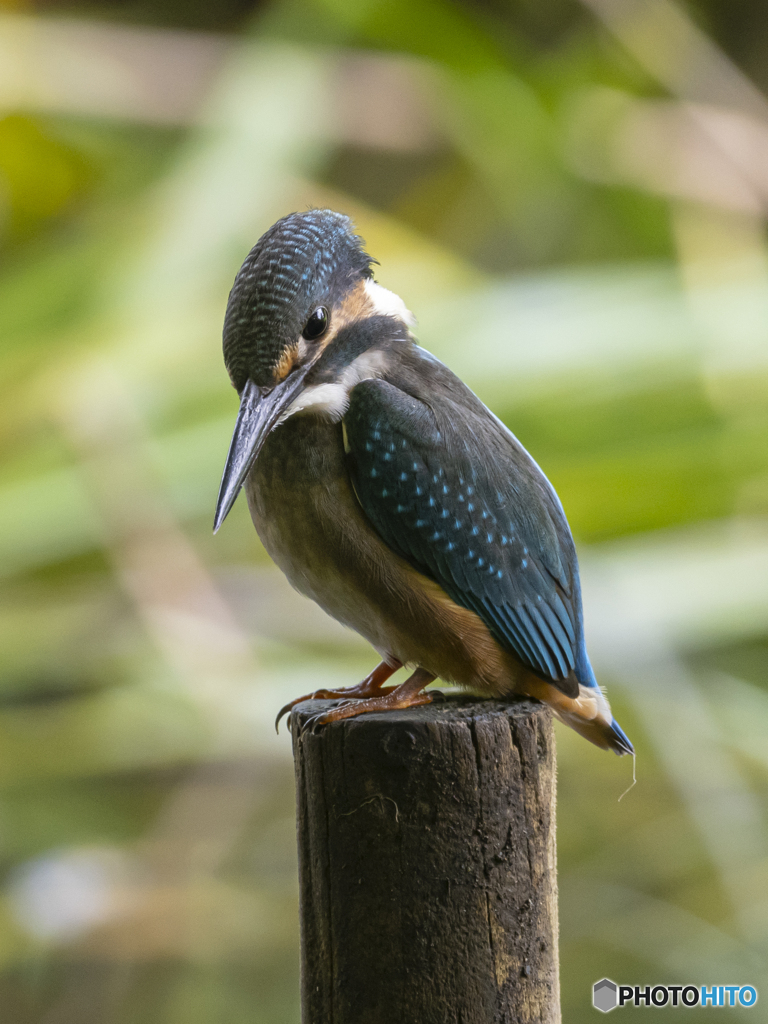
{"points": [[387, 492]]}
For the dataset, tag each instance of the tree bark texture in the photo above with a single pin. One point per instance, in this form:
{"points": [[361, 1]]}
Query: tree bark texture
{"points": [[427, 867]]}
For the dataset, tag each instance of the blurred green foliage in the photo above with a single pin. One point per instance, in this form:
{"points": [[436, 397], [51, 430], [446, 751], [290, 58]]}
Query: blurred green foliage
{"points": [[106, 744], [42, 176]]}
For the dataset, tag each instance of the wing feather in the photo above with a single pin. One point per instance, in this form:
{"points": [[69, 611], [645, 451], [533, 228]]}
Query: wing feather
{"points": [[470, 509]]}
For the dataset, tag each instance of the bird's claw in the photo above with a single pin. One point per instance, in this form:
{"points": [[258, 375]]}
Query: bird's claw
{"points": [[315, 722], [317, 695], [313, 726], [367, 696], [283, 711], [349, 694]]}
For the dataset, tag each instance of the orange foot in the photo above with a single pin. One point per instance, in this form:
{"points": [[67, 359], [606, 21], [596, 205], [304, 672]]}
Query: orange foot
{"points": [[407, 695], [371, 686]]}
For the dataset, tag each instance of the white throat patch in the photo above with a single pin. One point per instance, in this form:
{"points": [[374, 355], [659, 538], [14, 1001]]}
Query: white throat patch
{"points": [[332, 400]]}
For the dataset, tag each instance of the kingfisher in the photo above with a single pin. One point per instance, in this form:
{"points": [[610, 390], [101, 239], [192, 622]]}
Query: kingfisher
{"points": [[388, 493]]}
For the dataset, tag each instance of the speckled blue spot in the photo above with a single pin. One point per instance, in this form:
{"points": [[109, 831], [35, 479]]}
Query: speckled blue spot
{"points": [[368, 446], [434, 478], [461, 497], [376, 435], [418, 492], [384, 493], [419, 523], [401, 508], [387, 457], [489, 538], [524, 563], [470, 553], [403, 476], [415, 466], [485, 514], [436, 535], [374, 473], [391, 447], [475, 531], [445, 488], [470, 489], [431, 502], [457, 525], [500, 574], [444, 514], [480, 563], [470, 507], [504, 541]]}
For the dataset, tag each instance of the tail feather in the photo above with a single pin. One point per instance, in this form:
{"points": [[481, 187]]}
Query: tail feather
{"points": [[589, 714], [623, 743], [606, 736]]}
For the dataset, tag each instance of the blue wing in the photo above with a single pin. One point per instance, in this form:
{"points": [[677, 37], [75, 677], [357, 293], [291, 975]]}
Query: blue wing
{"points": [[449, 489]]}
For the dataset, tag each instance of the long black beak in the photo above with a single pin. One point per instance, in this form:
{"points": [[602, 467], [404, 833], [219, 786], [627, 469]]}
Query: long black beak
{"points": [[260, 411]]}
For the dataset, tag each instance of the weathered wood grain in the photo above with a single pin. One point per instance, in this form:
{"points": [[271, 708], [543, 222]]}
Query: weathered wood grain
{"points": [[427, 865]]}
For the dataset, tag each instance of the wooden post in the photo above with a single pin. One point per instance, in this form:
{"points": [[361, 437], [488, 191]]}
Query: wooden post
{"points": [[427, 865]]}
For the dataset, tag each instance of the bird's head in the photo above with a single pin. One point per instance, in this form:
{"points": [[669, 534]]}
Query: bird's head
{"points": [[289, 338]]}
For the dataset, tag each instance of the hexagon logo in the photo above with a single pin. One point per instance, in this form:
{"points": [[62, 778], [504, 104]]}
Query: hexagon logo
{"points": [[604, 995]]}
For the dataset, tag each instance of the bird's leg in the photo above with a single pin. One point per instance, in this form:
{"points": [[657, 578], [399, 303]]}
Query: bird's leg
{"points": [[371, 686], [407, 695]]}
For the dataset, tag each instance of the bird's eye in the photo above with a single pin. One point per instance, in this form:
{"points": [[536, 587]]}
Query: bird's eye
{"points": [[317, 324]]}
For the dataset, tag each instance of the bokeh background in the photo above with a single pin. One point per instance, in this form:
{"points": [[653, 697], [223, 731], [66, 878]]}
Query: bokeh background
{"points": [[571, 195]]}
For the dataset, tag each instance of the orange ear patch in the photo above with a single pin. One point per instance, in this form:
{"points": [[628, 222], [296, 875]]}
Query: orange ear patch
{"points": [[288, 359], [356, 305]]}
